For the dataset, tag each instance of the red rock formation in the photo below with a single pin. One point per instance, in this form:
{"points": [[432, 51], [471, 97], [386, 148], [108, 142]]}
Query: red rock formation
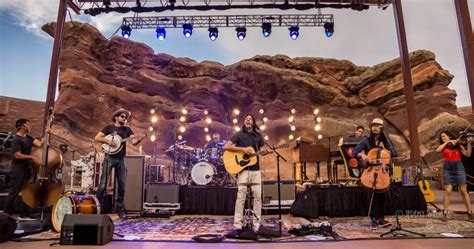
{"points": [[99, 76]]}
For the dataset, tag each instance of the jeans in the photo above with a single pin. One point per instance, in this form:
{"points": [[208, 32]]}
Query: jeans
{"points": [[121, 176], [19, 174]]}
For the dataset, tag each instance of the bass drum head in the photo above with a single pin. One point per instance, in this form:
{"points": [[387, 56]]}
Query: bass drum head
{"points": [[202, 173], [63, 206]]}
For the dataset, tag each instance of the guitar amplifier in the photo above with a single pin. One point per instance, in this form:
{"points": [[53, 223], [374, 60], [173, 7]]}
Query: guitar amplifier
{"points": [[162, 199], [270, 194]]}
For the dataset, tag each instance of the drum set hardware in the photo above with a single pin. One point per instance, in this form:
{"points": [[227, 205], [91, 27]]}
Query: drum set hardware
{"points": [[200, 166]]}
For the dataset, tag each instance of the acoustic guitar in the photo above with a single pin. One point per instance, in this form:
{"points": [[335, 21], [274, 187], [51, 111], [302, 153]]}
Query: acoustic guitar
{"points": [[425, 186], [235, 162]]}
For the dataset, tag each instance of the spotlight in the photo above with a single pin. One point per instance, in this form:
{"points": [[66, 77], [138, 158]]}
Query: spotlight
{"points": [[206, 129], [261, 111], [292, 128], [206, 112], [160, 33], [291, 137], [266, 137], [329, 28], [213, 33], [318, 119], [154, 119], [187, 30], [317, 127], [208, 120], [236, 112], [152, 111], [294, 32], [150, 128], [180, 137], [153, 138], [234, 121], [241, 32], [184, 111], [316, 111], [291, 119], [182, 129], [182, 119], [320, 136], [236, 128], [266, 29], [126, 31], [265, 119], [262, 127], [208, 138]]}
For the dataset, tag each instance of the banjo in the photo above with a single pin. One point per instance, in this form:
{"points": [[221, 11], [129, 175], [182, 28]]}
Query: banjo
{"points": [[119, 142]]}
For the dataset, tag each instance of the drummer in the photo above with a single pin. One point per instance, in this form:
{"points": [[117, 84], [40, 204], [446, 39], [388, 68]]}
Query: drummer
{"points": [[215, 142]]}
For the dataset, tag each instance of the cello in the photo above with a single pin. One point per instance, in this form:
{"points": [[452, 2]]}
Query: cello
{"points": [[43, 188], [377, 176]]}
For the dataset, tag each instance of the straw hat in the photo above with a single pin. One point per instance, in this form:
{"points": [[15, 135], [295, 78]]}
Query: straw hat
{"points": [[377, 121], [119, 112]]}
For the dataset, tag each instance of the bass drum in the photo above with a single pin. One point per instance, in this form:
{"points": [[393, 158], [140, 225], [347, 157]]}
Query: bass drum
{"points": [[73, 204], [202, 173]]}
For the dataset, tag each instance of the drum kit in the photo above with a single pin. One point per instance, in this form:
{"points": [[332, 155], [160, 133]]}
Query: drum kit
{"points": [[78, 200], [200, 166]]}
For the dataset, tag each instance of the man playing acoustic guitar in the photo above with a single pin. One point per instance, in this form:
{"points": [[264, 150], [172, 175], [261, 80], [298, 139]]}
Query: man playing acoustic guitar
{"points": [[376, 139], [112, 135], [248, 141]]}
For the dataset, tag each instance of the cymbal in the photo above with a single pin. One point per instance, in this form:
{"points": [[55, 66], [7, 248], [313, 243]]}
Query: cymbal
{"points": [[248, 184]]}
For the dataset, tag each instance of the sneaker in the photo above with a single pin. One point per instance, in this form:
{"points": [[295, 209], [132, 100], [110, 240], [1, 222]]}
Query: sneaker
{"points": [[373, 225], [122, 213], [384, 223]]}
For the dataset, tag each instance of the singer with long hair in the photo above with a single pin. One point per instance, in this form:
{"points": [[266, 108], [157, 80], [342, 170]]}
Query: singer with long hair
{"points": [[248, 136], [454, 173], [376, 138]]}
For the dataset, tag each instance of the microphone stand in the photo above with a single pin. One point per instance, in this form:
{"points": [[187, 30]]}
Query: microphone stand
{"points": [[278, 156]]}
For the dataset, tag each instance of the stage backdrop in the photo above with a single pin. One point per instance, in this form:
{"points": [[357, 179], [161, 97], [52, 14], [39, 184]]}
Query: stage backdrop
{"points": [[98, 76]]}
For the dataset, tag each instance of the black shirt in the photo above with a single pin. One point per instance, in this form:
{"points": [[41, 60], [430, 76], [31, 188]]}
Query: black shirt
{"points": [[246, 139], [23, 145], [123, 132]]}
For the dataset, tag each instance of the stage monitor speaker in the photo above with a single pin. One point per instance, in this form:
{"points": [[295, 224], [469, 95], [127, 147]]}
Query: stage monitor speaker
{"points": [[134, 192], [162, 193], [86, 229], [7, 227], [270, 192]]}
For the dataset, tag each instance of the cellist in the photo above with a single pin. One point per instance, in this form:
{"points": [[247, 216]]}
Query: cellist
{"points": [[377, 138], [21, 146]]}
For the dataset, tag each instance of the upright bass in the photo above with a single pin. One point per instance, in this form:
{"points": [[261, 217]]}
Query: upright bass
{"points": [[377, 175], [43, 188]]}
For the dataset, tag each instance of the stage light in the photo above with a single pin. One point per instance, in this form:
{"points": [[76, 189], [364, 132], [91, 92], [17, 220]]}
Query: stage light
{"points": [[152, 111], [317, 127], [291, 119], [236, 112], [180, 137], [126, 31], [182, 129], [187, 30], [241, 32], [316, 111], [160, 33], [266, 29], [291, 137], [208, 137], [206, 129], [213, 33], [329, 29], [208, 120], [262, 127], [265, 119], [153, 138], [318, 119], [236, 128], [293, 128], [150, 128], [154, 119], [184, 111], [320, 136], [182, 119], [261, 111], [206, 112], [266, 137], [293, 110], [294, 32]]}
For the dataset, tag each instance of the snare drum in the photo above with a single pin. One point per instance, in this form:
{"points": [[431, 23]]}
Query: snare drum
{"points": [[202, 173], [73, 204]]}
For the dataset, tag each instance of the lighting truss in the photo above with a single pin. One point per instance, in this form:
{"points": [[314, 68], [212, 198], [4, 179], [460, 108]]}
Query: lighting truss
{"points": [[139, 22], [96, 7]]}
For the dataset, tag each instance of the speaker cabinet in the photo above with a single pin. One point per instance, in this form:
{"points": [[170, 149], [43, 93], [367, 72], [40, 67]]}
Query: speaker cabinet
{"points": [[162, 193], [135, 182], [270, 194], [86, 229], [7, 227]]}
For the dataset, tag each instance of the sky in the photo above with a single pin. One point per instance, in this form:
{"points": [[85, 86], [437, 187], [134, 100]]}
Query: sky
{"points": [[364, 37]]}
